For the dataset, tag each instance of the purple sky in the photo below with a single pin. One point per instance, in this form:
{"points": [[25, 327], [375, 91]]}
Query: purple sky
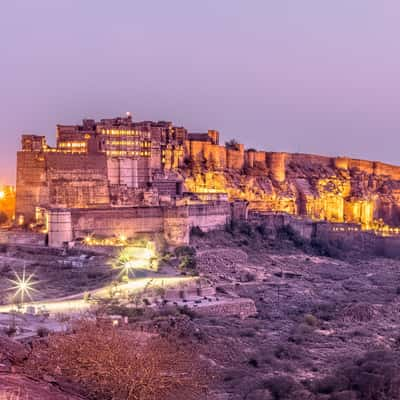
{"points": [[302, 76]]}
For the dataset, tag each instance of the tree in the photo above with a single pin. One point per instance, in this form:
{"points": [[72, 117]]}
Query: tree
{"points": [[116, 363], [232, 144]]}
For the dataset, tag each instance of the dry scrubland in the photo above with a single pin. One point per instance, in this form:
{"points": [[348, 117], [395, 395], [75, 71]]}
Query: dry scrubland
{"points": [[327, 328]]}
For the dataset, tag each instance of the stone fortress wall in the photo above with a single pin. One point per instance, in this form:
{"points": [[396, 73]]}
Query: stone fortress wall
{"points": [[118, 174], [172, 222]]}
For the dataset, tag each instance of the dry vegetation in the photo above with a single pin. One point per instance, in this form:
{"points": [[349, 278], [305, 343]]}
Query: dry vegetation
{"points": [[112, 363]]}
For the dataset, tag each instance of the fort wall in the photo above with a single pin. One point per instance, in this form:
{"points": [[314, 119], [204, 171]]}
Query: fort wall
{"points": [[307, 159], [235, 157], [209, 216], [362, 165], [116, 221], [277, 165], [31, 188], [387, 170]]}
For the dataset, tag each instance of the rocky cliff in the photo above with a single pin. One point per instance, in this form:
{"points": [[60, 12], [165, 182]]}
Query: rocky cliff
{"points": [[322, 188]]}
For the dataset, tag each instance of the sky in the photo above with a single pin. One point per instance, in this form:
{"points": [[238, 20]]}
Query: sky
{"points": [[310, 76]]}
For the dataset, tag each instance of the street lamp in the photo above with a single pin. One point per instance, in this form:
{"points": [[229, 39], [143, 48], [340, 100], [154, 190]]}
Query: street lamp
{"points": [[23, 286]]}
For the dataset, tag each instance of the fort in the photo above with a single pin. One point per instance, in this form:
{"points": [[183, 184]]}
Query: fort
{"points": [[124, 177]]}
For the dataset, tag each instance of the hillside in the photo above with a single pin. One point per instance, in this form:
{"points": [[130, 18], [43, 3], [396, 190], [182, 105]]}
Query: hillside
{"points": [[333, 189]]}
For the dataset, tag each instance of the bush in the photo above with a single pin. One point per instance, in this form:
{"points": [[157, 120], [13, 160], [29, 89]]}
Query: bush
{"points": [[280, 386], [10, 330], [263, 230], [373, 376], [246, 229], [231, 226], [187, 256], [113, 363], [300, 333], [286, 232], [185, 251], [311, 320], [196, 231], [328, 248], [185, 310], [358, 312], [42, 331]]}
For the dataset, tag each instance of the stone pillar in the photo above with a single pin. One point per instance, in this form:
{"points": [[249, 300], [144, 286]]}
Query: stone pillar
{"points": [[60, 227], [176, 225]]}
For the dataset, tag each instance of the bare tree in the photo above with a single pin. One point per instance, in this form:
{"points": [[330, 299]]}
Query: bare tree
{"points": [[111, 362]]}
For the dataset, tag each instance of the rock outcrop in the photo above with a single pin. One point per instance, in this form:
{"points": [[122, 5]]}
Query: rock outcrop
{"points": [[322, 188]]}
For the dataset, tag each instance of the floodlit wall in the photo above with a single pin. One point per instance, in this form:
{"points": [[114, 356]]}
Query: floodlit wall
{"points": [[31, 189], [209, 216]]}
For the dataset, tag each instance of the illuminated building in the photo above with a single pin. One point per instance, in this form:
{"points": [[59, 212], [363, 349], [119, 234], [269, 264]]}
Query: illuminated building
{"points": [[122, 177]]}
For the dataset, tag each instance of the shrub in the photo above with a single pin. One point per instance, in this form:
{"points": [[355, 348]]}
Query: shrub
{"points": [[187, 256], [185, 310], [196, 231], [359, 312], [114, 363], [185, 251], [10, 330], [263, 230], [311, 320], [300, 333], [42, 331], [253, 362], [246, 229], [373, 376], [328, 248], [231, 226], [280, 386], [286, 232], [232, 144]]}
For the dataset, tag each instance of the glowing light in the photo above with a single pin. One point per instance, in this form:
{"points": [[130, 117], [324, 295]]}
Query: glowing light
{"points": [[2, 194], [23, 286], [133, 258], [122, 238]]}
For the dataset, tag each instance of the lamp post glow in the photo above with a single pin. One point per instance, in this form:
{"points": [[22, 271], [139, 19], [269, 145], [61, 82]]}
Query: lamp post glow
{"points": [[130, 259], [23, 286]]}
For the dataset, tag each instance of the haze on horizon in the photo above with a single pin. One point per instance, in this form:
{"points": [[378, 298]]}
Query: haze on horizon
{"points": [[310, 76]]}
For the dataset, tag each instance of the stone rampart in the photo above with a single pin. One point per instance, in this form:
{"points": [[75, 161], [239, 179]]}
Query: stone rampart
{"points": [[240, 307], [32, 189], [307, 159], [362, 165], [116, 221], [209, 216], [22, 238], [275, 221], [235, 158], [393, 172]]}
